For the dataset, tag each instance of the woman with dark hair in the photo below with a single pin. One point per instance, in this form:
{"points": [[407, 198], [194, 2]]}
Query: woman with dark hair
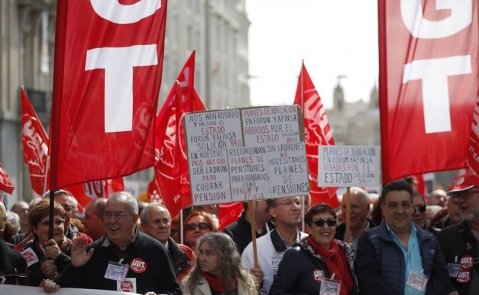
{"points": [[196, 225], [318, 263], [46, 258], [218, 269]]}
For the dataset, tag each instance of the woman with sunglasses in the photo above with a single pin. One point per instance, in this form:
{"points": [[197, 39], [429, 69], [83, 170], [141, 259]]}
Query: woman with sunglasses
{"points": [[46, 258], [197, 224], [218, 270], [318, 262]]}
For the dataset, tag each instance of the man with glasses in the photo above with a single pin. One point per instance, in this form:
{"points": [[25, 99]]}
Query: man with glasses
{"points": [[399, 257], [156, 222], [286, 213], [459, 242], [125, 259]]}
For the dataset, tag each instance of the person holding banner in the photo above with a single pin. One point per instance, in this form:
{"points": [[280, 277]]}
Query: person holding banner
{"points": [[286, 213], [318, 262], [47, 258], [218, 269], [399, 257], [125, 259]]}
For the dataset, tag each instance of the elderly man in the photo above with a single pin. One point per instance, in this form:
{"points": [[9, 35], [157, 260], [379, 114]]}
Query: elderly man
{"points": [[93, 220], [21, 208], [398, 257], [460, 241], [125, 259], [156, 222], [359, 221], [286, 213]]}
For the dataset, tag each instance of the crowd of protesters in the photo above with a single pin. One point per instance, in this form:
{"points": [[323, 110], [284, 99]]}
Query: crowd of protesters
{"points": [[396, 242]]}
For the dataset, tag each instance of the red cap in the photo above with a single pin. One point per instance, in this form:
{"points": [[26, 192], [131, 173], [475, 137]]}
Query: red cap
{"points": [[464, 183]]}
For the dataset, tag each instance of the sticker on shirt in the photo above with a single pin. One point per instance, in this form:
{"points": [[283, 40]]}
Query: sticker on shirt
{"points": [[417, 281], [30, 256], [126, 285], [453, 269], [464, 277], [116, 271], [318, 275], [330, 287], [467, 262], [138, 265]]}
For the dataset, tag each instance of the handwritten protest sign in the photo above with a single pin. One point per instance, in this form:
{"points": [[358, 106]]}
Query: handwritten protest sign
{"points": [[246, 154], [344, 166]]}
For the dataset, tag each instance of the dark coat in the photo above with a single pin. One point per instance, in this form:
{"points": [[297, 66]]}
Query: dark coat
{"points": [[240, 232], [12, 265], [381, 267]]}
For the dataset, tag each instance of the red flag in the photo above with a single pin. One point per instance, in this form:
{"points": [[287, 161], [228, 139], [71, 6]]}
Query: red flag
{"points": [[85, 192], [473, 150], [229, 213], [171, 168], [35, 146], [6, 184], [108, 66], [428, 81], [317, 132]]}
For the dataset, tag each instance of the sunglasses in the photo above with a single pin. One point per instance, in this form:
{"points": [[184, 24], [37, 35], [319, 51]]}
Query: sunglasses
{"points": [[193, 226], [56, 222], [421, 208], [320, 222]]}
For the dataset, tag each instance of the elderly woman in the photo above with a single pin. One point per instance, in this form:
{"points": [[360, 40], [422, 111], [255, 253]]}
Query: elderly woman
{"points": [[318, 262], [196, 225], [46, 258], [218, 269]]}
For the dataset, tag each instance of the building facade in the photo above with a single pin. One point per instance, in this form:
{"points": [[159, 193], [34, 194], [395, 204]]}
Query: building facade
{"points": [[217, 30]]}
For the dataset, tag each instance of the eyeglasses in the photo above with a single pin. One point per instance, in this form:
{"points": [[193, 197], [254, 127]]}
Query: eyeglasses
{"points": [[56, 222], [108, 215], [201, 226], [320, 222], [421, 208]]}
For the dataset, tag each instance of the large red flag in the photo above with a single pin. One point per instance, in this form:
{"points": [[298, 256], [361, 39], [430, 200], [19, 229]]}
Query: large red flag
{"points": [[6, 184], [108, 66], [317, 132], [428, 81], [171, 168], [35, 146]]}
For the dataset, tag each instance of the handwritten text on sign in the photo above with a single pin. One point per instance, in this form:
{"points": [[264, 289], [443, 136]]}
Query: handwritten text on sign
{"points": [[343, 166]]}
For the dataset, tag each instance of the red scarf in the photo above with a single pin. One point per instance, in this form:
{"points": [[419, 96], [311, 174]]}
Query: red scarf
{"points": [[336, 263], [215, 283]]}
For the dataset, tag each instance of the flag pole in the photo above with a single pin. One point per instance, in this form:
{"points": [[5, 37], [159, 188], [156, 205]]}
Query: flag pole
{"points": [[253, 232], [347, 233]]}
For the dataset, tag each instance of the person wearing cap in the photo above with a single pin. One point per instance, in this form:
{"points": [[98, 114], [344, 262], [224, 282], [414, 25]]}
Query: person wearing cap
{"points": [[399, 257], [459, 242]]}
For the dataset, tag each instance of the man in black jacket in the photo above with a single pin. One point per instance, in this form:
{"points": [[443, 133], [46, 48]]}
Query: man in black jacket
{"points": [[125, 259]]}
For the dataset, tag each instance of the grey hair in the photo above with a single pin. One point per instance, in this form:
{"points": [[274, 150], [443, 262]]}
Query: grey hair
{"points": [[145, 213], [363, 194], [125, 196]]}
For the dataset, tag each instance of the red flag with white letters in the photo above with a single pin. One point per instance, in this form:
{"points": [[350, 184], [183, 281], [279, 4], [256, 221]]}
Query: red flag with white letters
{"points": [[85, 192], [35, 146], [317, 131], [171, 168], [6, 184], [108, 66], [428, 82]]}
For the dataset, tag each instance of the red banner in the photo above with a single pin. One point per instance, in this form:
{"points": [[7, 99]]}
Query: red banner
{"points": [[317, 132], [428, 82], [108, 66], [84, 193], [35, 146], [171, 168], [6, 184]]}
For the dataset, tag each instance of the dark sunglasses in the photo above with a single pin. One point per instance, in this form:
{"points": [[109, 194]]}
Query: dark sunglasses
{"points": [[193, 226], [320, 222], [421, 208]]}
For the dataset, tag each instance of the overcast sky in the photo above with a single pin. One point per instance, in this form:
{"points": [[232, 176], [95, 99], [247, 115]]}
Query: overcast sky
{"points": [[333, 37]]}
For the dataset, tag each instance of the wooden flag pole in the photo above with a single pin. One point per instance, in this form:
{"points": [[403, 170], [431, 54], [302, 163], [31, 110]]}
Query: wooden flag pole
{"points": [[251, 205], [347, 234]]}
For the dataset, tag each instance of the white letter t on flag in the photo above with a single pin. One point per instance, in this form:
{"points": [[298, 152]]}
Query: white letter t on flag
{"points": [[118, 63]]}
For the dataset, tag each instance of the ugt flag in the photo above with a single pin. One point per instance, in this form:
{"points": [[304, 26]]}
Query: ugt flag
{"points": [[171, 167], [428, 82], [108, 65], [317, 132], [6, 184]]}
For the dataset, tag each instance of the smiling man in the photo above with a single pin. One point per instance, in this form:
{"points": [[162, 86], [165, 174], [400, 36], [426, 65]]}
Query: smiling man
{"points": [[398, 257], [125, 259]]}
